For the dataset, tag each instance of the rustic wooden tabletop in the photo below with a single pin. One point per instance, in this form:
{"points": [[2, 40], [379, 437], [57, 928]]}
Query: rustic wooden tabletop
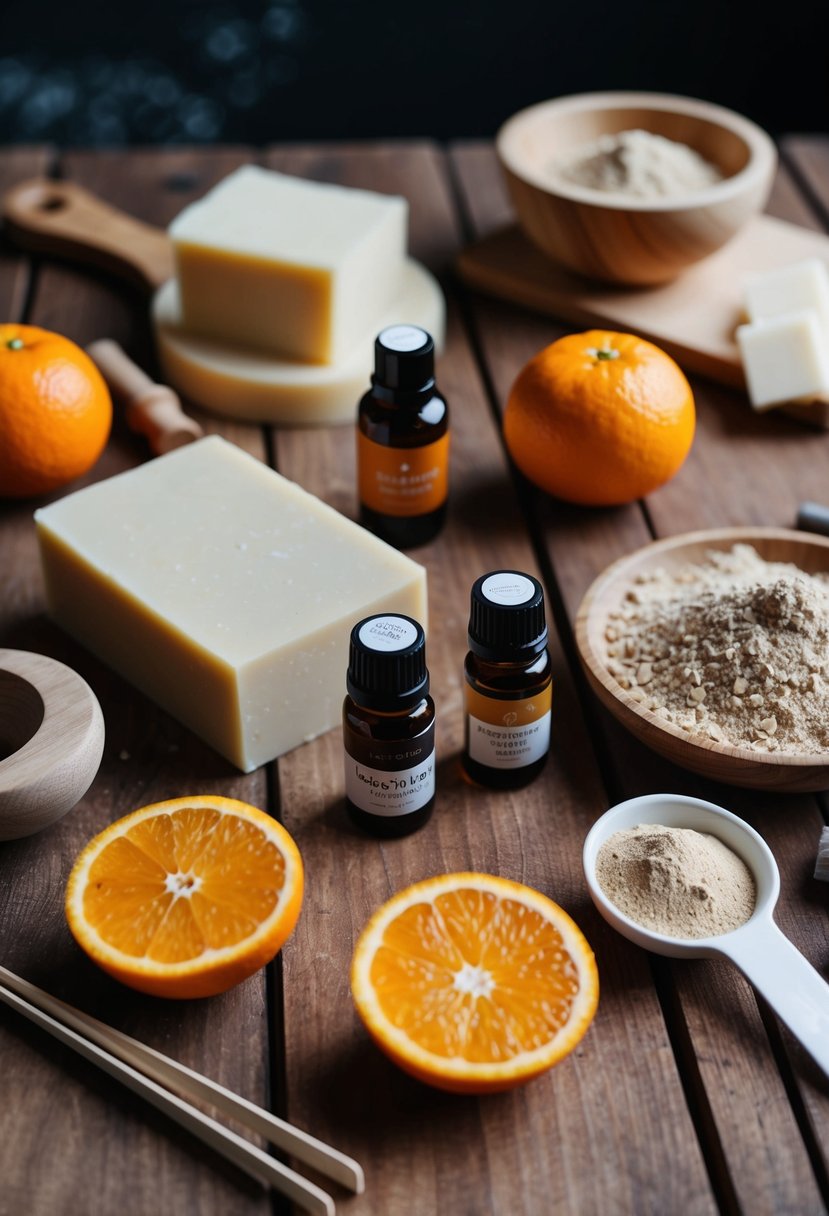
{"points": [[685, 1096]]}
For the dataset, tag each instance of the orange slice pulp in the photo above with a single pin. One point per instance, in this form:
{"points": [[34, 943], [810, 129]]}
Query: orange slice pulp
{"points": [[186, 898], [474, 983]]}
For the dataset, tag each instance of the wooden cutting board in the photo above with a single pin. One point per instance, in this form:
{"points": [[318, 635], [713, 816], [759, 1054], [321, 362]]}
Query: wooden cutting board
{"points": [[693, 318]]}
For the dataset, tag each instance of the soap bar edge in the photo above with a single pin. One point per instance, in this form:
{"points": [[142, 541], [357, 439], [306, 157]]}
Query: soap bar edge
{"points": [[211, 669]]}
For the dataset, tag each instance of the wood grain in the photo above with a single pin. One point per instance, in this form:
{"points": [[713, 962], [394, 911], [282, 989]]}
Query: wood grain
{"points": [[684, 1096], [109, 1146], [535, 1150], [752, 1140]]}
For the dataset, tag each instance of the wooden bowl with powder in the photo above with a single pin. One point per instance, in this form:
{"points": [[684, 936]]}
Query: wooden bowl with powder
{"points": [[603, 229], [716, 657]]}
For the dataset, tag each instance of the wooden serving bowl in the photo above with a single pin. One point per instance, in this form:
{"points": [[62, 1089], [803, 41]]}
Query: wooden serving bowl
{"points": [[783, 771], [614, 237]]}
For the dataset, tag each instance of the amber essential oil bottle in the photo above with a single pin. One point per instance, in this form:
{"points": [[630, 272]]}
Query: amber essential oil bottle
{"points": [[389, 727], [403, 441], [509, 686]]}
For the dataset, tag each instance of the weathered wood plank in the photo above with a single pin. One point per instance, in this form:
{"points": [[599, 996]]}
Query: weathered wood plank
{"points": [[788, 464], [17, 164], [752, 1140], [601, 1132], [587, 1137], [107, 1151]]}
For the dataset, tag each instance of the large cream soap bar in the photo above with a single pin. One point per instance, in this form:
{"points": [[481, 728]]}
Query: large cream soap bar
{"points": [[223, 591], [301, 269]]}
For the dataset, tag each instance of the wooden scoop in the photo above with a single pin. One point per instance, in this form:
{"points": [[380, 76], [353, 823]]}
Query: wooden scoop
{"points": [[65, 220], [51, 738]]}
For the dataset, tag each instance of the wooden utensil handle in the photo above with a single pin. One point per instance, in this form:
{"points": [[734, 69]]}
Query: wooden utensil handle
{"points": [[65, 219], [153, 410]]}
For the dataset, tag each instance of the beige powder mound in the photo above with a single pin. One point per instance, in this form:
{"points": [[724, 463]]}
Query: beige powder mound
{"points": [[639, 164], [734, 649], [676, 881]]}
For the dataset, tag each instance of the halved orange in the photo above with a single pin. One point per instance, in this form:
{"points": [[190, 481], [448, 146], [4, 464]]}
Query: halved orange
{"points": [[186, 898], [474, 983]]}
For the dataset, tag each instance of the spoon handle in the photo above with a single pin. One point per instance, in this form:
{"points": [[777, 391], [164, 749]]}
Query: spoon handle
{"points": [[790, 984]]}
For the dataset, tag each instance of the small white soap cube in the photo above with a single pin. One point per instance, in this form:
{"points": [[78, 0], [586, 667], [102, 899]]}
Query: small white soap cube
{"points": [[785, 359], [789, 289], [303, 270]]}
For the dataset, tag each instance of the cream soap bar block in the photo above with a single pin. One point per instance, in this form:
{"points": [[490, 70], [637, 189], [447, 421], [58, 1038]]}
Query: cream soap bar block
{"points": [[223, 591], [296, 268], [785, 359]]}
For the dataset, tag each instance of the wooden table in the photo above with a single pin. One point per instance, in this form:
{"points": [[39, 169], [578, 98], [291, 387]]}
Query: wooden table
{"points": [[685, 1096]]}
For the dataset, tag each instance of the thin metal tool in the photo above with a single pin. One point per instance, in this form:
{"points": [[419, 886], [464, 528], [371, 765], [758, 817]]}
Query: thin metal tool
{"points": [[822, 861], [813, 517], [152, 1075]]}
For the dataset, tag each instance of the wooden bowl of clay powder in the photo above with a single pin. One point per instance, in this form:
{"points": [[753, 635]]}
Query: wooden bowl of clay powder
{"points": [[715, 655], [597, 187]]}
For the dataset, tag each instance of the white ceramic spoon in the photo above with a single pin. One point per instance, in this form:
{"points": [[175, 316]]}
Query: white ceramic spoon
{"points": [[779, 972]]}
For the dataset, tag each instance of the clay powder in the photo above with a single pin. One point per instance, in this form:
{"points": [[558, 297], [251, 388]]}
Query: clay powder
{"points": [[639, 164], [732, 649], [676, 881]]}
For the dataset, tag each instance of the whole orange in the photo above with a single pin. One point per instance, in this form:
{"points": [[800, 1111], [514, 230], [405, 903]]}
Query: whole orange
{"points": [[600, 418], [55, 411]]}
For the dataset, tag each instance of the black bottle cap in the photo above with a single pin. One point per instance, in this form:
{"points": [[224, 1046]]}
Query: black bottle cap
{"points": [[506, 617], [404, 359], [387, 663]]}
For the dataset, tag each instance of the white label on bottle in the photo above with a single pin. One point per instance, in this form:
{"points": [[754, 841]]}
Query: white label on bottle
{"points": [[380, 792], [388, 633], [403, 337], [509, 746], [507, 587]]}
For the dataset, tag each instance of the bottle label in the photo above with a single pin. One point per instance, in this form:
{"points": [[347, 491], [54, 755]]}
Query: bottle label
{"points": [[508, 587], [387, 634], [392, 778], [403, 337], [403, 481], [508, 734]]}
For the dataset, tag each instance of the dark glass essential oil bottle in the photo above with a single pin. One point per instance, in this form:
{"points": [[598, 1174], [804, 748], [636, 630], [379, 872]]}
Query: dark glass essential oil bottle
{"points": [[389, 727], [509, 685], [403, 441]]}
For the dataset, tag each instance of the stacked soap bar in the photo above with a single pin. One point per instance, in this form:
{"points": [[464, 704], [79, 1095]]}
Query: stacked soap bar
{"points": [[281, 286], [292, 267], [223, 591], [785, 348]]}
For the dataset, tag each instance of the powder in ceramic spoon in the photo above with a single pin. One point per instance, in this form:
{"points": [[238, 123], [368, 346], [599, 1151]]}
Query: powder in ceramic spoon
{"points": [[676, 881]]}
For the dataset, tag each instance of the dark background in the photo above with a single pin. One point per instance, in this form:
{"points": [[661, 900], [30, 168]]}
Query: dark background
{"points": [[166, 71]]}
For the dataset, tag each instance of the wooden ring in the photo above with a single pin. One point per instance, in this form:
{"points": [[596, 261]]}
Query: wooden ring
{"points": [[52, 738]]}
